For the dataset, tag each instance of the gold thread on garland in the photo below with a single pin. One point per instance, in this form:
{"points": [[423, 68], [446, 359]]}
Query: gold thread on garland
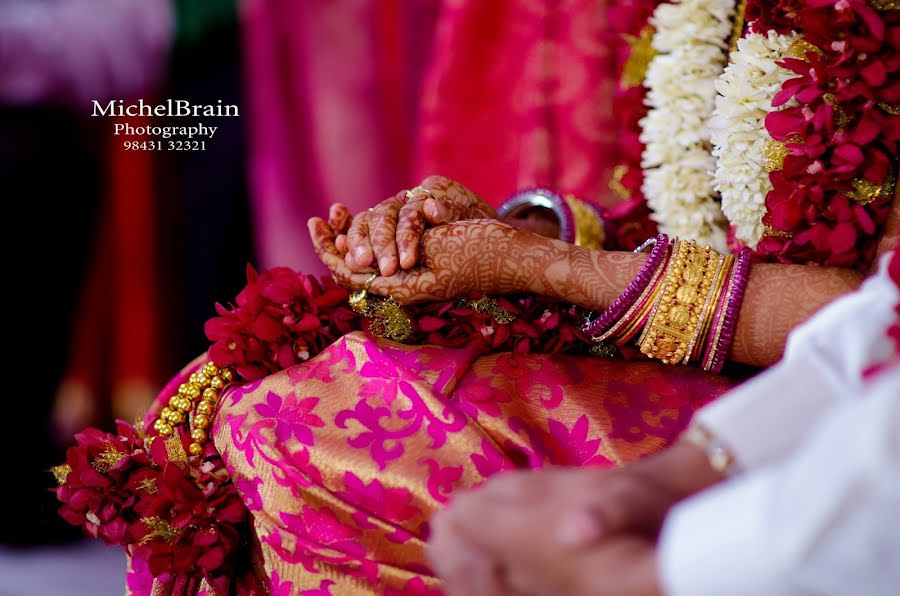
{"points": [[840, 116], [388, 319], [885, 4], [175, 450], [773, 153], [800, 48], [892, 110], [604, 350], [60, 472], [148, 485], [770, 231], [138, 425], [865, 192], [159, 528], [738, 29], [108, 458], [488, 306], [615, 182], [639, 58]]}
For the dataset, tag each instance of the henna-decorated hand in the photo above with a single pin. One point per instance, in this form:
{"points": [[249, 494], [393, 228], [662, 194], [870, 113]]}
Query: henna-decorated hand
{"points": [[481, 256], [389, 234]]}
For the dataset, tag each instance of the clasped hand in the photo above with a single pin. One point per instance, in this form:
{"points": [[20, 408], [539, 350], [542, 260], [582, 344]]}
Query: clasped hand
{"points": [[424, 246]]}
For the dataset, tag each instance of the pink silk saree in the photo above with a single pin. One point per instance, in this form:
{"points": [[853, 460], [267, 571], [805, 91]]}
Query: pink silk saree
{"points": [[343, 459]]}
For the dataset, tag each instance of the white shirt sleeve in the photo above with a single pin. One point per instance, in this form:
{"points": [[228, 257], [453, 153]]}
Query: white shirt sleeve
{"points": [[823, 365], [823, 521]]}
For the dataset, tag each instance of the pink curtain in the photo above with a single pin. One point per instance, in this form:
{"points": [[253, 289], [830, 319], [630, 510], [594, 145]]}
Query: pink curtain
{"points": [[500, 95], [332, 92], [520, 94]]}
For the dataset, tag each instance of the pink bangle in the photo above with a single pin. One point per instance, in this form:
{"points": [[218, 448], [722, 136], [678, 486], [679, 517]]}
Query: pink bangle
{"points": [[720, 347], [593, 329], [626, 327]]}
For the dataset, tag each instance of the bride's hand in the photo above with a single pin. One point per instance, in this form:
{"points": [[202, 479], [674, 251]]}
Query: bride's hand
{"points": [[387, 236], [483, 256]]}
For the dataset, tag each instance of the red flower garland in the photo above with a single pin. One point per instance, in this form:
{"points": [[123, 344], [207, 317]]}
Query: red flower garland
{"points": [[282, 318], [839, 134], [185, 520]]}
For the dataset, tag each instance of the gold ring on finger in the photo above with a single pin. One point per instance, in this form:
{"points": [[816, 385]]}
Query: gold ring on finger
{"points": [[369, 281], [411, 193]]}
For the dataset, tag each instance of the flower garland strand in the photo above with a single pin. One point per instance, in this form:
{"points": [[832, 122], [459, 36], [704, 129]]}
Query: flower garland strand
{"points": [[834, 190], [741, 145], [691, 40]]}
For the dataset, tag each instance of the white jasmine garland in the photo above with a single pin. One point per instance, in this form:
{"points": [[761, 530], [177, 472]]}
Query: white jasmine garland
{"points": [[738, 132], [691, 40]]}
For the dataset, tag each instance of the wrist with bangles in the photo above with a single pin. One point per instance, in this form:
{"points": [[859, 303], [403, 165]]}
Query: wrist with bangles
{"points": [[682, 306]]}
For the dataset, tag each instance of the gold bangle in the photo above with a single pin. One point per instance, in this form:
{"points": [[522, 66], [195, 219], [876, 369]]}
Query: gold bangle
{"points": [[728, 289], [677, 249], [588, 225], [682, 299], [641, 318], [705, 311], [645, 302], [712, 302]]}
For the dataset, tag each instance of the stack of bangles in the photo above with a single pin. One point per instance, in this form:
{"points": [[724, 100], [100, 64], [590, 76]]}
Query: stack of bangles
{"points": [[682, 307]]}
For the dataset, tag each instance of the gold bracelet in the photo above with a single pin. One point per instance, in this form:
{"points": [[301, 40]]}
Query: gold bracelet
{"points": [[683, 297], [720, 457]]}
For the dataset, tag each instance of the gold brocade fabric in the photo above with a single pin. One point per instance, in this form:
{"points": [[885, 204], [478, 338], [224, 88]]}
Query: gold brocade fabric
{"points": [[342, 460]]}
